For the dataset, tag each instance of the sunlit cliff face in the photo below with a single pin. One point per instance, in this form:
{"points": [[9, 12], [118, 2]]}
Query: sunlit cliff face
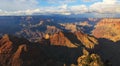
{"points": [[108, 28]]}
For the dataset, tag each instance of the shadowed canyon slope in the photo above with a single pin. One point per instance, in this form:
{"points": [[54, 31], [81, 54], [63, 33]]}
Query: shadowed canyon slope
{"points": [[73, 40], [48, 41], [16, 51], [19, 52]]}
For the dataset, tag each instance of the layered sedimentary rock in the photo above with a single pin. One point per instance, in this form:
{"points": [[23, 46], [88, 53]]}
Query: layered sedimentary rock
{"points": [[61, 40], [87, 40], [75, 39], [108, 28], [19, 52]]}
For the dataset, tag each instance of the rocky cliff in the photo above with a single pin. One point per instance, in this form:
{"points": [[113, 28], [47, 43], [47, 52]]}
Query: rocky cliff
{"points": [[108, 28]]}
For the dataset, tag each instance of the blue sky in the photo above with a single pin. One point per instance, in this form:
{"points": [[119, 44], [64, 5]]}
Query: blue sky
{"points": [[73, 2], [66, 7]]}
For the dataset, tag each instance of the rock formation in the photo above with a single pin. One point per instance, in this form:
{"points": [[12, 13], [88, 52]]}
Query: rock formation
{"points": [[89, 59], [19, 52], [108, 28], [61, 40], [87, 40]]}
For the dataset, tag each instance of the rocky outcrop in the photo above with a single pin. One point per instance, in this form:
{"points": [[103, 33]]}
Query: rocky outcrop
{"points": [[89, 59], [52, 29], [5, 44], [32, 36], [61, 40], [36, 31], [11, 50], [85, 24], [70, 26], [76, 39], [108, 28], [19, 52], [5, 50], [16, 60], [87, 40]]}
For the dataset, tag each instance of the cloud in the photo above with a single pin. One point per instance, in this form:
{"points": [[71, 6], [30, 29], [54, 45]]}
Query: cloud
{"points": [[110, 1], [107, 6], [14, 5], [63, 9], [60, 1], [89, 0], [46, 10], [78, 9], [30, 7]]}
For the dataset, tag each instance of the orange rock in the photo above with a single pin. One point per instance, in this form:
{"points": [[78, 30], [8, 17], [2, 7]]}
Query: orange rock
{"points": [[61, 40], [87, 41], [108, 28]]}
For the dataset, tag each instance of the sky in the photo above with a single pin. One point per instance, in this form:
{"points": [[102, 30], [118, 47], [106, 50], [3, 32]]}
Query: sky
{"points": [[64, 7]]}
